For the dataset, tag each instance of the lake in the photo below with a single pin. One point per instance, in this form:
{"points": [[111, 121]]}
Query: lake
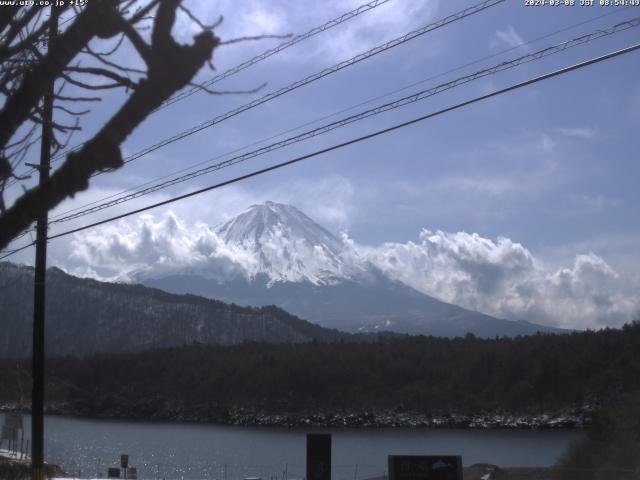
{"points": [[201, 451]]}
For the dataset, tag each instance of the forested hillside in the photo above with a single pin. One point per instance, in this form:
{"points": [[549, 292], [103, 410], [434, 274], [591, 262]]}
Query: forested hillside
{"points": [[85, 316], [422, 374]]}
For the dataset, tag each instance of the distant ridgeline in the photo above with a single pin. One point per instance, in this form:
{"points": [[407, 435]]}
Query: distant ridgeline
{"points": [[429, 375], [85, 316]]}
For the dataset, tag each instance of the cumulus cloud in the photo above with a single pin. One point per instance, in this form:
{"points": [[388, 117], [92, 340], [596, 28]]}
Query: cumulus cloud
{"points": [[129, 251], [499, 276], [130, 247], [503, 278]]}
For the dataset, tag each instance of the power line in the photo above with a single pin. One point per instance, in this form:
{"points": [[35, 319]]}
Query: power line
{"points": [[359, 139], [415, 97], [317, 76], [312, 78], [349, 142], [244, 65], [325, 117], [8, 253], [283, 46], [618, 27]]}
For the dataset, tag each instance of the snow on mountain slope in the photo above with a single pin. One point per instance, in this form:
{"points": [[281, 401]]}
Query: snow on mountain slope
{"points": [[273, 241], [287, 246]]}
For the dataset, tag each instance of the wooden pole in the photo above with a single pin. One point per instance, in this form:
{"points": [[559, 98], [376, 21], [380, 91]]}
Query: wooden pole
{"points": [[37, 395]]}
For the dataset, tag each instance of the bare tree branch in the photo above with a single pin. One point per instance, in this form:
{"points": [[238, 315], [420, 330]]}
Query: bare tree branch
{"points": [[94, 20], [78, 99], [103, 72], [16, 26], [171, 66], [75, 113], [255, 37], [7, 15], [136, 40], [198, 22], [112, 50], [89, 86], [8, 50], [101, 58], [140, 14]]}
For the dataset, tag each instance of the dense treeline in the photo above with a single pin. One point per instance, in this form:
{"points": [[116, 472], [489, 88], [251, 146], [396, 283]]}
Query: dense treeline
{"points": [[423, 374]]}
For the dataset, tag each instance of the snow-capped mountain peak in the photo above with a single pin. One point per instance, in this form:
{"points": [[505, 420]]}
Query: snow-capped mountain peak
{"points": [[258, 221], [286, 245]]}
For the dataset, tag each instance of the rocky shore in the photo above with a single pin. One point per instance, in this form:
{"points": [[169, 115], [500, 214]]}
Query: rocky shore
{"points": [[413, 420], [570, 419]]}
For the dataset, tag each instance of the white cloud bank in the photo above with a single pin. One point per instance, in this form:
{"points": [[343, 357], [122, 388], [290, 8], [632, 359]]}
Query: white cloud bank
{"points": [[167, 244], [503, 278], [496, 276]]}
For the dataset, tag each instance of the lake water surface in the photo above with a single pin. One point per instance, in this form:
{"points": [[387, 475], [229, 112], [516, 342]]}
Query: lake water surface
{"points": [[202, 451]]}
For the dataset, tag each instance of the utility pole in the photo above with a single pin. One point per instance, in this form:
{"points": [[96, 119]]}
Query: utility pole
{"points": [[37, 367]]}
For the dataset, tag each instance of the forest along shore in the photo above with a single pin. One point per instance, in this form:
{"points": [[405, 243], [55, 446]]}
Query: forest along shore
{"points": [[539, 381]]}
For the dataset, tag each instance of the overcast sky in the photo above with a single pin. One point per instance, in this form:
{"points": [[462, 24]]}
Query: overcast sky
{"points": [[537, 186]]}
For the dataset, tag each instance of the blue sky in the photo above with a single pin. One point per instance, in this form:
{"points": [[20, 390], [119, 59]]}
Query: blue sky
{"points": [[552, 167]]}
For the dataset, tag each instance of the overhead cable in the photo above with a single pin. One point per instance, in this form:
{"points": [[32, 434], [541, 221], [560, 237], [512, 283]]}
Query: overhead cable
{"points": [[369, 136], [415, 97], [283, 46], [244, 65], [311, 78], [344, 110]]}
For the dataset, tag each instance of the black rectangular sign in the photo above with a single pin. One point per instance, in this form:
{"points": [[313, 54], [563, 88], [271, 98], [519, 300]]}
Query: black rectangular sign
{"points": [[318, 456], [425, 467], [113, 473]]}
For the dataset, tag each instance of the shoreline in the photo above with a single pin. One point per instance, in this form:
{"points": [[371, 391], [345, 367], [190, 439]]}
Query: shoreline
{"points": [[563, 420]]}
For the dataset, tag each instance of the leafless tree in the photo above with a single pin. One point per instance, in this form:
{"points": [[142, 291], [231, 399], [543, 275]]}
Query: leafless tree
{"points": [[28, 65]]}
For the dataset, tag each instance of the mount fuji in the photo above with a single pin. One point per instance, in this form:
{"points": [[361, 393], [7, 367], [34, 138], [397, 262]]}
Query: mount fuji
{"points": [[273, 254]]}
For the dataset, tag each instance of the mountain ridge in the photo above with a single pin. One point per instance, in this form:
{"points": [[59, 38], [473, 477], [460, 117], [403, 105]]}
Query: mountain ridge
{"points": [[134, 317]]}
